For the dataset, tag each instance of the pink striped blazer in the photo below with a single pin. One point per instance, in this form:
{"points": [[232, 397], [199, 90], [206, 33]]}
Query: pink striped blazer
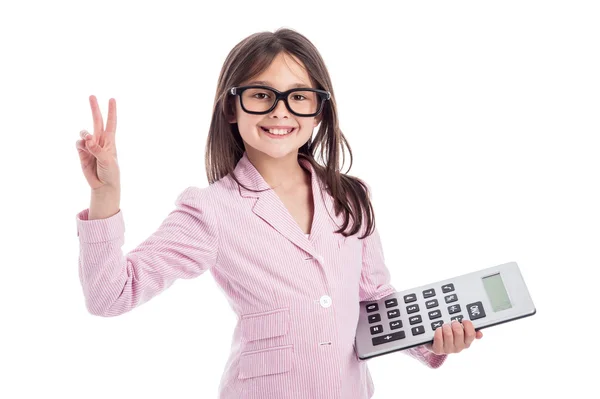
{"points": [[296, 297]]}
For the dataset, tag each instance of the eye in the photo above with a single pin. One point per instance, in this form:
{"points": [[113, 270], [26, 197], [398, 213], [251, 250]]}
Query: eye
{"points": [[260, 96], [298, 97]]}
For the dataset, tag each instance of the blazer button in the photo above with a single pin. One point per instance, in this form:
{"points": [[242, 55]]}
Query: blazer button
{"points": [[325, 301]]}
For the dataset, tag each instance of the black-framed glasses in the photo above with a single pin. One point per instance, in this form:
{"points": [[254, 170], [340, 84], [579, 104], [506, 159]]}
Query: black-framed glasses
{"points": [[260, 100]]}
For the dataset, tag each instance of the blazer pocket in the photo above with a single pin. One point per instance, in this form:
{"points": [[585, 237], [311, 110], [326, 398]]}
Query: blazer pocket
{"points": [[275, 360], [272, 323]]}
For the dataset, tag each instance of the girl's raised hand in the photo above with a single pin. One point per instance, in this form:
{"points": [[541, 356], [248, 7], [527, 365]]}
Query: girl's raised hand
{"points": [[98, 152], [453, 338]]}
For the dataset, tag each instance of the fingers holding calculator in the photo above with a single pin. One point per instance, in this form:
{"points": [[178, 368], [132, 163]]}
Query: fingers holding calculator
{"points": [[453, 337]]}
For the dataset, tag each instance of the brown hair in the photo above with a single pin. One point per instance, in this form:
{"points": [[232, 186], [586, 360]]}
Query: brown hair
{"points": [[225, 147]]}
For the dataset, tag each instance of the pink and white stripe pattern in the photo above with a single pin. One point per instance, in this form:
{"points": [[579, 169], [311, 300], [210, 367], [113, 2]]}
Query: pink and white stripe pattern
{"points": [[296, 297]]}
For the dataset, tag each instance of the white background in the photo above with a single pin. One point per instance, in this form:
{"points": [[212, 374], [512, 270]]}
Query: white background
{"points": [[475, 123]]}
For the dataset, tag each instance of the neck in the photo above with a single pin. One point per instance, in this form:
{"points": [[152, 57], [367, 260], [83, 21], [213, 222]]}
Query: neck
{"points": [[279, 173]]}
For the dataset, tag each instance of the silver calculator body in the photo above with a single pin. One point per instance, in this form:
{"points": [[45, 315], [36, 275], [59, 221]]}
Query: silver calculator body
{"points": [[409, 318]]}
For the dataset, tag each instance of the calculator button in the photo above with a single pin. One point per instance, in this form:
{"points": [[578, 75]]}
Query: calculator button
{"points": [[394, 325], [453, 309], [436, 324], [434, 314], [428, 293], [447, 288], [374, 318], [451, 298], [457, 318], [415, 320], [412, 309], [410, 298], [475, 310], [418, 330], [431, 304], [376, 329], [391, 303], [393, 313], [388, 338], [372, 307]]}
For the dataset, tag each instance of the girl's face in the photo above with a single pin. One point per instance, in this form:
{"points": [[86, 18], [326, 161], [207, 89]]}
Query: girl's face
{"points": [[283, 74]]}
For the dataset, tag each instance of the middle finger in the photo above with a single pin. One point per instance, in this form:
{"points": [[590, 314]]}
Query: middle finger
{"points": [[459, 337]]}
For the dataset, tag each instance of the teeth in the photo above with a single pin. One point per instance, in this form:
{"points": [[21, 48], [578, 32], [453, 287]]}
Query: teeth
{"points": [[280, 131]]}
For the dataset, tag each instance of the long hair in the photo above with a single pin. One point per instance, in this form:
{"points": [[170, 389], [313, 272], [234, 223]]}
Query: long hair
{"points": [[224, 147]]}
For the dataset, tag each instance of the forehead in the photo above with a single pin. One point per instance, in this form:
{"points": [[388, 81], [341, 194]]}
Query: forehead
{"points": [[284, 72]]}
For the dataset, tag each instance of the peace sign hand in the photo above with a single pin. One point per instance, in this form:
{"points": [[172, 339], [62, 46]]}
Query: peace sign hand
{"points": [[98, 152]]}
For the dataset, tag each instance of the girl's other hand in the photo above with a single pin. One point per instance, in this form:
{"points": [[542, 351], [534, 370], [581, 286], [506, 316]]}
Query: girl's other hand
{"points": [[98, 152], [453, 338]]}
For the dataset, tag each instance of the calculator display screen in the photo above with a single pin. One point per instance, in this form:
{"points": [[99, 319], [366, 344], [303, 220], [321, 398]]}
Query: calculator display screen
{"points": [[497, 292]]}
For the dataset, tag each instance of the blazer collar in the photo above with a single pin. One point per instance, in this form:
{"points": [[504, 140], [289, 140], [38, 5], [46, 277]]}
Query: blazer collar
{"points": [[271, 209]]}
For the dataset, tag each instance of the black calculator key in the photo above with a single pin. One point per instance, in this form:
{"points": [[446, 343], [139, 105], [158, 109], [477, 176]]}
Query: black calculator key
{"points": [[418, 330], [374, 318], [428, 293], [454, 309], [388, 338], [394, 325], [390, 303], [447, 288], [436, 324], [475, 310], [415, 320], [457, 318], [393, 313], [431, 304], [372, 307], [451, 298], [410, 298], [412, 309], [434, 314], [378, 329]]}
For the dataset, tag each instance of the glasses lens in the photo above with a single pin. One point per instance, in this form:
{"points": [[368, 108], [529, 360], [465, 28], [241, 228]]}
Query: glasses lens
{"points": [[300, 101]]}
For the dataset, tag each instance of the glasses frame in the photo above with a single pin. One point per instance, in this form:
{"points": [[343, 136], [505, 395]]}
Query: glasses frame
{"points": [[279, 95]]}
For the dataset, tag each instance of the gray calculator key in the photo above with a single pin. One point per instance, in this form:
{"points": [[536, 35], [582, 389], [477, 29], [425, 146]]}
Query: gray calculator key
{"points": [[394, 325], [475, 310], [431, 304], [428, 293], [372, 307], [378, 329], [447, 288], [390, 303], [412, 309], [437, 324], [418, 330], [434, 314], [410, 298], [374, 318], [457, 318], [393, 313], [451, 298], [388, 338], [415, 320], [453, 309]]}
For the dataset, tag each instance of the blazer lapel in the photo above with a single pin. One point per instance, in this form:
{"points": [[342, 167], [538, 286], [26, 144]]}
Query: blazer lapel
{"points": [[271, 209]]}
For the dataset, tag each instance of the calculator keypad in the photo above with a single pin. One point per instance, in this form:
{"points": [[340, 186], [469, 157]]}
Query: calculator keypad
{"points": [[474, 310]]}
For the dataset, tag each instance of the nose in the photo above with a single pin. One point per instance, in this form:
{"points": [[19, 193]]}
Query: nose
{"points": [[280, 110]]}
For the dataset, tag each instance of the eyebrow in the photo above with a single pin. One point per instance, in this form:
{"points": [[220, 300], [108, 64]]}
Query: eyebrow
{"points": [[265, 83]]}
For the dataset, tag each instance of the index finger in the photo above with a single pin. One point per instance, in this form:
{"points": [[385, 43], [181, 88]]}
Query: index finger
{"points": [[97, 116]]}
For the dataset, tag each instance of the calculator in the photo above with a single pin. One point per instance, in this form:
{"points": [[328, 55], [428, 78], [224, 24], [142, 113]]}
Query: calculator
{"points": [[409, 318]]}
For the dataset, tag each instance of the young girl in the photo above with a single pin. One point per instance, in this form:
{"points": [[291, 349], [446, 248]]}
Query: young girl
{"points": [[293, 244]]}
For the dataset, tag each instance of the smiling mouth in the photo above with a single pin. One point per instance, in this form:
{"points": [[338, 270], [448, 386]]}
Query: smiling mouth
{"points": [[278, 132]]}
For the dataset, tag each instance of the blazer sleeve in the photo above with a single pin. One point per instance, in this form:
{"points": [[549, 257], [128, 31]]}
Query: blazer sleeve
{"points": [[375, 283], [183, 247]]}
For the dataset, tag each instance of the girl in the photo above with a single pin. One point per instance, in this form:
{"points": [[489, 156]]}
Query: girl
{"points": [[293, 244]]}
